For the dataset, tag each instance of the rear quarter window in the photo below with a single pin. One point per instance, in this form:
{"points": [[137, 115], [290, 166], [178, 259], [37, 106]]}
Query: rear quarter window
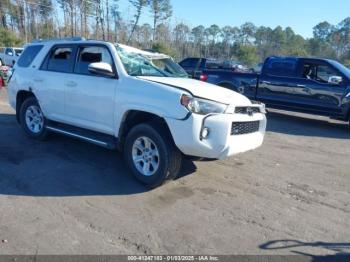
{"points": [[29, 55], [281, 67]]}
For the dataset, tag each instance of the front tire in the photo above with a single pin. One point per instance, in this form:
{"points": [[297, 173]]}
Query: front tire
{"points": [[32, 119], [151, 154]]}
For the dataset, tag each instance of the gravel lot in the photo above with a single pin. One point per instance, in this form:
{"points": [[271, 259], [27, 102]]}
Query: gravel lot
{"points": [[291, 196]]}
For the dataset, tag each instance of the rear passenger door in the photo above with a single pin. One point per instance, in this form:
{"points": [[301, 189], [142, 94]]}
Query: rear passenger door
{"points": [[51, 80], [90, 98], [278, 81]]}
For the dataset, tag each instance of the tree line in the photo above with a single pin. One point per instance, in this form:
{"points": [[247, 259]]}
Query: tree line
{"points": [[22, 21]]}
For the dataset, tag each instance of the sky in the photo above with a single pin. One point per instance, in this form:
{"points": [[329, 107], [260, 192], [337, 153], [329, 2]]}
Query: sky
{"points": [[300, 15]]}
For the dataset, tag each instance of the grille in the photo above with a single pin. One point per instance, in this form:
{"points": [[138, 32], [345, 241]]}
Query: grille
{"points": [[241, 128], [247, 110]]}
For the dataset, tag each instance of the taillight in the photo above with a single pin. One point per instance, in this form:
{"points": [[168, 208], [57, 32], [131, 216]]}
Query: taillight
{"points": [[203, 77]]}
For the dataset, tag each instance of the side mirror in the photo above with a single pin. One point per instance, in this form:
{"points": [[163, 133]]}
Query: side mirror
{"points": [[101, 68], [335, 80]]}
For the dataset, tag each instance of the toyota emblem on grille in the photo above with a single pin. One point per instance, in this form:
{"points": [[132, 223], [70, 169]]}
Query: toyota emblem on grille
{"points": [[250, 111]]}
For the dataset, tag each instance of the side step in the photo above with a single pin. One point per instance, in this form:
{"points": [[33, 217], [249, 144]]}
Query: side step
{"points": [[93, 137]]}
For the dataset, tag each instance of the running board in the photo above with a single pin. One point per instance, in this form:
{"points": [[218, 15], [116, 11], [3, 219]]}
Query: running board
{"points": [[92, 137]]}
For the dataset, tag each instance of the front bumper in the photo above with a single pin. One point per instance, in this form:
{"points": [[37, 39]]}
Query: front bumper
{"points": [[220, 143]]}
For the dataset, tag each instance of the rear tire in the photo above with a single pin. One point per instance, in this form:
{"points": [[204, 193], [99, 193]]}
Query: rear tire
{"points": [[32, 119], [151, 154]]}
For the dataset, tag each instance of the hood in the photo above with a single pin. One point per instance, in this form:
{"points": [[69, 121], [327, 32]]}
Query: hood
{"points": [[203, 90]]}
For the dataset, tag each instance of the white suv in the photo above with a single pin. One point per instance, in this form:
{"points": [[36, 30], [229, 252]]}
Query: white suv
{"points": [[101, 93]]}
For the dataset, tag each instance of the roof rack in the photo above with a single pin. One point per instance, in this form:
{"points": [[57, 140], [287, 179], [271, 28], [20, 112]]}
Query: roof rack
{"points": [[59, 39]]}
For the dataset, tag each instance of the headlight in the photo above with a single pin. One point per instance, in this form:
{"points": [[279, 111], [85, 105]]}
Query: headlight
{"points": [[202, 106]]}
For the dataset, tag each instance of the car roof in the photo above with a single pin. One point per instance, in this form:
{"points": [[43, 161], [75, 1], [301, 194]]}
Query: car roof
{"points": [[302, 58], [70, 40], [80, 40]]}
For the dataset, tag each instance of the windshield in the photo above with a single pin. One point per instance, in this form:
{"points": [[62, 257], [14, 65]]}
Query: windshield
{"points": [[343, 69], [170, 67], [137, 65]]}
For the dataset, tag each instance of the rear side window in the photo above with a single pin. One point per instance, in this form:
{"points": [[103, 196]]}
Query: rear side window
{"points": [[92, 54], [281, 67], [61, 59], [28, 55]]}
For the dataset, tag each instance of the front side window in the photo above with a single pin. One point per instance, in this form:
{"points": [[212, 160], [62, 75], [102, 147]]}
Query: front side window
{"points": [[325, 72], [92, 54], [319, 72], [61, 59]]}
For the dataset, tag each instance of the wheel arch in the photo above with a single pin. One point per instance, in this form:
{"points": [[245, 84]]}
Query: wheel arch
{"points": [[20, 98], [132, 118]]}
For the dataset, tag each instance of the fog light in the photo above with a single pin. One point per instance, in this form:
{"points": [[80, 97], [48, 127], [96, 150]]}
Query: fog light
{"points": [[205, 132]]}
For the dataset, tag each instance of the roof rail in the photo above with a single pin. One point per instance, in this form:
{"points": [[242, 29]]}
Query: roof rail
{"points": [[59, 39]]}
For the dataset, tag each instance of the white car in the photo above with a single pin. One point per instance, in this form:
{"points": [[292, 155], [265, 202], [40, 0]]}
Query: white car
{"points": [[101, 93], [9, 55]]}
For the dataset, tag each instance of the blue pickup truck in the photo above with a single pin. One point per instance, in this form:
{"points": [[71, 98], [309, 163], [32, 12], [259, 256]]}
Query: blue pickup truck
{"points": [[309, 85]]}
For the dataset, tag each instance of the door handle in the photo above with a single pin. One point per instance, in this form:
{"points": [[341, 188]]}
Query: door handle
{"points": [[301, 86], [71, 84], [266, 82]]}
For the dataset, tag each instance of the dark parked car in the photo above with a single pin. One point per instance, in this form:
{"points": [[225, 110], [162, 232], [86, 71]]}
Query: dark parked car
{"points": [[310, 85]]}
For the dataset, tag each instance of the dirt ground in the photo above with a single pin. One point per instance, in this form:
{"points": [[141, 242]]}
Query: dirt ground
{"points": [[291, 196]]}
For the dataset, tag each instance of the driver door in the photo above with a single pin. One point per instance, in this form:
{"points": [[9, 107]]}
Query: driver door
{"points": [[90, 98], [315, 89]]}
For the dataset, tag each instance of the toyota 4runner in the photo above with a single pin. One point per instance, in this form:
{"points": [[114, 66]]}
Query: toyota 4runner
{"points": [[101, 93]]}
